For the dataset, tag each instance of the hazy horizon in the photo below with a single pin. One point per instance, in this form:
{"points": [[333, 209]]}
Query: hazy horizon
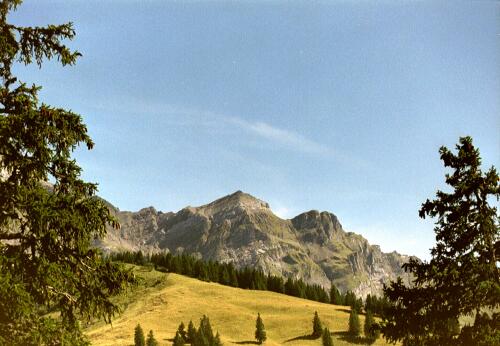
{"points": [[334, 106]]}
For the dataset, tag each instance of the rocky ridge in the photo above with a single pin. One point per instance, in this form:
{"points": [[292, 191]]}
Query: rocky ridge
{"points": [[242, 229]]}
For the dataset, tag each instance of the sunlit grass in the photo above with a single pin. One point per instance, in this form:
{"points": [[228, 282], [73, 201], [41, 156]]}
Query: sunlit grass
{"points": [[162, 301]]}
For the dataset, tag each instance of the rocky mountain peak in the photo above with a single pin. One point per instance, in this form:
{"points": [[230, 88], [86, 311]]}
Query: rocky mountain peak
{"points": [[242, 229], [236, 200]]}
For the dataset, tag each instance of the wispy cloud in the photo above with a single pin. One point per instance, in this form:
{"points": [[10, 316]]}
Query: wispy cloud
{"points": [[284, 137], [173, 115]]}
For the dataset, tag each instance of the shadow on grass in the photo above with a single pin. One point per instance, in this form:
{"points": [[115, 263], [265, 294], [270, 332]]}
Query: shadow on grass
{"points": [[358, 340], [303, 337], [247, 342], [343, 310]]}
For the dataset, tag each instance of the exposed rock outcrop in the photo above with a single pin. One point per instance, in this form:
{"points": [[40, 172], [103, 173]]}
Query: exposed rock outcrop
{"points": [[242, 229]]}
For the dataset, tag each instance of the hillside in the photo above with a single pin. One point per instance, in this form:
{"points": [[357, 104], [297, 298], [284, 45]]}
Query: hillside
{"points": [[164, 300], [242, 229]]}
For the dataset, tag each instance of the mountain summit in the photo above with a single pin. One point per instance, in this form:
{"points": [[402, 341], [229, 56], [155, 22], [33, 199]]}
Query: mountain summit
{"points": [[242, 229]]}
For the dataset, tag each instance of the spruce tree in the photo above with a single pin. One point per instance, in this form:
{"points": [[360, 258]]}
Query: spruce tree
{"points": [[178, 340], [217, 341], [260, 331], [370, 328], [335, 296], [182, 331], [462, 277], [191, 332], [46, 230], [327, 338], [317, 327], [151, 341], [354, 325], [206, 329], [139, 336]]}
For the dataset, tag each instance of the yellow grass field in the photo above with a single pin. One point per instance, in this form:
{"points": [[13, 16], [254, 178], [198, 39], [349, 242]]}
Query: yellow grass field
{"points": [[162, 301]]}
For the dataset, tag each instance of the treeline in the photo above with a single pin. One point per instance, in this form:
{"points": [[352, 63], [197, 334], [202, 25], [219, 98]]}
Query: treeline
{"points": [[249, 278], [376, 305], [225, 274]]}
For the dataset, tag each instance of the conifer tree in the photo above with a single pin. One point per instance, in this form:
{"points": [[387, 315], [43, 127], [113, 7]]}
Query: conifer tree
{"points": [[317, 326], [46, 230], [217, 341], [462, 277], [206, 329], [178, 340], [191, 332], [335, 296], [182, 331], [260, 331], [370, 328], [151, 341], [139, 336], [354, 325], [327, 338]]}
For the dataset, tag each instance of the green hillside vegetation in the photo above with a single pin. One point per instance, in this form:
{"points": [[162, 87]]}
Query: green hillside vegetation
{"points": [[162, 301]]}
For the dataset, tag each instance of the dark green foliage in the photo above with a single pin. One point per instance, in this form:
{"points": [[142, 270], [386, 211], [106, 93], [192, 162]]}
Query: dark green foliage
{"points": [[47, 262], [371, 328], [204, 336], [151, 341], [178, 340], [260, 330], [226, 274], [335, 296], [317, 326], [139, 336], [182, 331], [377, 305], [191, 332], [326, 338], [217, 341], [484, 332], [462, 277], [354, 325]]}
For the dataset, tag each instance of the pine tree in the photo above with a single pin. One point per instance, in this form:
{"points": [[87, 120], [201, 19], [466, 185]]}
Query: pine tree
{"points": [[139, 336], [178, 340], [182, 331], [370, 328], [335, 296], [462, 277], [46, 230], [151, 341], [191, 332], [327, 337], [217, 341], [206, 329], [260, 331], [354, 325], [317, 327]]}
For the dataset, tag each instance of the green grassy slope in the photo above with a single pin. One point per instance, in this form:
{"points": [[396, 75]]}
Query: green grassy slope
{"points": [[162, 301]]}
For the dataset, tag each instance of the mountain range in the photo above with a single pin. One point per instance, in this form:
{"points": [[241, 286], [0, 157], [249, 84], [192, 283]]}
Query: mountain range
{"points": [[242, 229]]}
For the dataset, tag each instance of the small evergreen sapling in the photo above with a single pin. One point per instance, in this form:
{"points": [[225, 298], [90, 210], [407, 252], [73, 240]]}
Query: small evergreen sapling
{"points": [[191, 332], [327, 338], [139, 336], [182, 331], [151, 341], [370, 328], [178, 340], [354, 325], [317, 327], [260, 331]]}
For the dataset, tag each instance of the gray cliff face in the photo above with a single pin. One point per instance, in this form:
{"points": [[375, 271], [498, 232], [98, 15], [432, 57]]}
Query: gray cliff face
{"points": [[243, 230]]}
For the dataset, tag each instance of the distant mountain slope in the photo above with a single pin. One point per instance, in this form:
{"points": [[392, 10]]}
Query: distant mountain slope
{"points": [[242, 229]]}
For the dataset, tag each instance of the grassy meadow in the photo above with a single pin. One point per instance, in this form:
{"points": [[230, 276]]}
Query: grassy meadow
{"points": [[162, 301]]}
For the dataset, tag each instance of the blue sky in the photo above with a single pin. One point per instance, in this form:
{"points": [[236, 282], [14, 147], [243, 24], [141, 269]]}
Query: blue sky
{"points": [[338, 106]]}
